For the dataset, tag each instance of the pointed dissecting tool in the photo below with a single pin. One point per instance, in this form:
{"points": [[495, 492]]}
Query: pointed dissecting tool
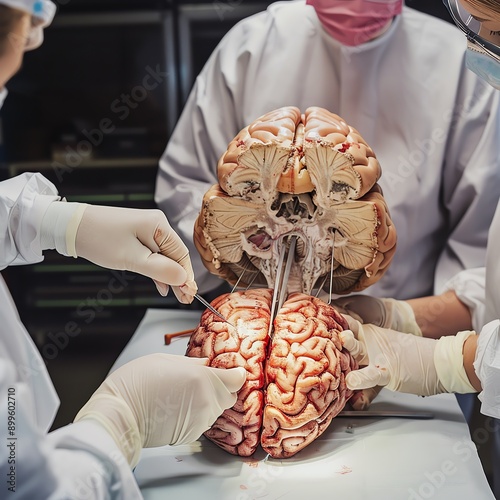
{"points": [[211, 308], [332, 266], [281, 280]]}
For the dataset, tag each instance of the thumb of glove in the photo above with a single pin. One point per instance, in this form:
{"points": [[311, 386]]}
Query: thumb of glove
{"points": [[160, 268], [233, 378], [356, 348], [195, 361], [226, 382], [367, 377]]}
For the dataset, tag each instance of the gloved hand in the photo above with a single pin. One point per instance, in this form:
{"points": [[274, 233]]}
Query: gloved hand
{"points": [[387, 313], [406, 363], [126, 239], [161, 399]]}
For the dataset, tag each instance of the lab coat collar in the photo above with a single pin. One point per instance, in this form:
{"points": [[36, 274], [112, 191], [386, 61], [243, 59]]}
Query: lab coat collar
{"points": [[3, 95]]}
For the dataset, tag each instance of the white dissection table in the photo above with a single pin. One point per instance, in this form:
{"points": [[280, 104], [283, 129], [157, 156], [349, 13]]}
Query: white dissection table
{"points": [[374, 458]]}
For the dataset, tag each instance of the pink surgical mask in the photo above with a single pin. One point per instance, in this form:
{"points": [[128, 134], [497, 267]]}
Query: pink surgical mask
{"points": [[353, 22]]}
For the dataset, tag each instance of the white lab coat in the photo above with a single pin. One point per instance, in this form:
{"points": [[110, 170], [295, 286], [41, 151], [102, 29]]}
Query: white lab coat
{"points": [[486, 282], [491, 345], [79, 461], [433, 125]]}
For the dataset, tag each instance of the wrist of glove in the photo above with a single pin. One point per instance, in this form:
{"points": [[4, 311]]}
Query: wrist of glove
{"points": [[59, 225], [406, 363], [140, 241], [387, 313], [160, 400]]}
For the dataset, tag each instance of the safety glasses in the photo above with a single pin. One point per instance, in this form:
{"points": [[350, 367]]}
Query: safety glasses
{"points": [[471, 27], [43, 12]]}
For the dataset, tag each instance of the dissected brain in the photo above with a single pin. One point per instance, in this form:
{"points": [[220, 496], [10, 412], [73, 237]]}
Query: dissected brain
{"points": [[295, 381], [309, 175]]}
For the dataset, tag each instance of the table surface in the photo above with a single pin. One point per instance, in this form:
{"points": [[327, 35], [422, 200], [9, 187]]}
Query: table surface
{"points": [[363, 457]]}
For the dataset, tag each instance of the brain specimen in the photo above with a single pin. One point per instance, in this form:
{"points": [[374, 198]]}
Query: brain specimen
{"points": [[309, 175], [295, 381]]}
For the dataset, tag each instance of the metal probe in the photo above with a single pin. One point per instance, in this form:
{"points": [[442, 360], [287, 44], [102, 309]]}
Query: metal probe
{"points": [[211, 308]]}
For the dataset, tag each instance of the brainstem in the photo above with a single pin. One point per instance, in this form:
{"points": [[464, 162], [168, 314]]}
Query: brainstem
{"points": [[295, 385]]}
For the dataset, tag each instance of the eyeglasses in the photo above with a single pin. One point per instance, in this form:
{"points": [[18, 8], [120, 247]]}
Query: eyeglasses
{"points": [[471, 27]]}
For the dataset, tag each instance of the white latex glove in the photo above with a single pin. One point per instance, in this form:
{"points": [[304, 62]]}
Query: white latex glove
{"points": [[140, 241], [406, 363], [387, 313], [161, 399]]}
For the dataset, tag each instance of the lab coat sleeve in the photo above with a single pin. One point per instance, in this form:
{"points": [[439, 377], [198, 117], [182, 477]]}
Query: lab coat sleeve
{"points": [[487, 367], [471, 186], [469, 287], [23, 202], [102, 470], [206, 126], [76, 461]]}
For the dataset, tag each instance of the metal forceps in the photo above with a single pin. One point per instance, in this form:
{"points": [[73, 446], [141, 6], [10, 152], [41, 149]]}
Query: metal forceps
{"points": [[285, 261], [211, 309]]}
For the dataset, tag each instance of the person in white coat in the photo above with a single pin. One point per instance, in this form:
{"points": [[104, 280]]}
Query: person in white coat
{"points": [[395, 74], [152, 401], [453, 359]]}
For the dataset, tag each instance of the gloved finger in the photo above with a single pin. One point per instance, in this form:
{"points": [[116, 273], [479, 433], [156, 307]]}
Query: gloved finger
{"points": [[162, 288], [178, 358], [185, 262], [367, 377], [354, 346], [233, 378], [354, 324], [224, 398], [185, 293], [194, 361], [342, 306], [364, 308], [174, 247], [161, 238], [157, 266], [362, 399], [171, 245]]}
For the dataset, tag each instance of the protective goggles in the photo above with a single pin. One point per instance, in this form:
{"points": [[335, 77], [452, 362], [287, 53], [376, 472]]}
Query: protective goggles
{"points": [[42, 11], [472, 27]]}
